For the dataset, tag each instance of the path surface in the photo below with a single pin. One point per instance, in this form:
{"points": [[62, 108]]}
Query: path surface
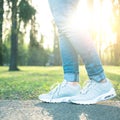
{"points": [[36, 110]]}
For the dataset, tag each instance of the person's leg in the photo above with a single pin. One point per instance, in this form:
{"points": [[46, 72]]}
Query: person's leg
{"points": [[70, 86], [84, 46], [61, 10], [69, 60], [81, 41], [99, 87]]}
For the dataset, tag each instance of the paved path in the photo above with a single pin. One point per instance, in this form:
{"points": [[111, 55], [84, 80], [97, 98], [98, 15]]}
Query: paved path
{"points": [[35, 110]]}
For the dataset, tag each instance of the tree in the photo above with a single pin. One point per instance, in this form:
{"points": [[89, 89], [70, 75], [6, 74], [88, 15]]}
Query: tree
{"points": [[1, 23], [6, 50], [22, 50], [26, 11], [14, 37], [37, 54], [22, 12]]}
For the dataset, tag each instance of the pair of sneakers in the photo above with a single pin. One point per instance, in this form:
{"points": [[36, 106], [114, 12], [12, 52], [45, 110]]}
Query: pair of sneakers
{"points": [[92, 93]]}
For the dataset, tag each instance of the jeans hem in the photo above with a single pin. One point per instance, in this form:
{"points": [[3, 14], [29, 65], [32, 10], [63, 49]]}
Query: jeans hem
{"points": [[98, 77], [71, 77]]}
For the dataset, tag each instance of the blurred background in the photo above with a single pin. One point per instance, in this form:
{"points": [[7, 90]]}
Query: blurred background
{"points": [[29, 37]]}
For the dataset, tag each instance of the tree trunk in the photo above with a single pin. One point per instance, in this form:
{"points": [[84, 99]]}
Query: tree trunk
{"points": [[14, 38], [1, 23]]}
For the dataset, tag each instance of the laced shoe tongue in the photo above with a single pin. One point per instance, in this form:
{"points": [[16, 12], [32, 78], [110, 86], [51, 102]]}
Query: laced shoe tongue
{"points": [[63, 83], [87, 87], [56, 89]]}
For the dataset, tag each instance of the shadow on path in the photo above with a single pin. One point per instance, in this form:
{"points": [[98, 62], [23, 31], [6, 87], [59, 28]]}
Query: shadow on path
{"points": [[64, 111]]}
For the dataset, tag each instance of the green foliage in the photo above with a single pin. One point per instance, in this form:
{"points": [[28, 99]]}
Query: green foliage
{"points": [[1, 29], [32, 81], [6, 50], [27, 83], [26, 11], [22, 54], [37, 55], [22, 50]]}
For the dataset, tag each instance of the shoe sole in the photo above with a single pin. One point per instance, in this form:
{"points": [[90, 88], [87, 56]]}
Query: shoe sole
{"points": [[57, 100], [106, 96]]}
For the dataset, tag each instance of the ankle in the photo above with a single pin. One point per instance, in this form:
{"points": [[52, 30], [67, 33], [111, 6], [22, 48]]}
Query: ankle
{"points": [[73, 83], [103, 81]]}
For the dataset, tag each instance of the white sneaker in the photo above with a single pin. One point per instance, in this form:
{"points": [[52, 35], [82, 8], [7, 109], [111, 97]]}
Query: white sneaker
{"points": [[95, 92], [62, 93]]}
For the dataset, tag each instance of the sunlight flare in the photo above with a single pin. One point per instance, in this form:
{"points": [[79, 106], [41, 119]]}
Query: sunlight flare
{"points": [[98, 20]]}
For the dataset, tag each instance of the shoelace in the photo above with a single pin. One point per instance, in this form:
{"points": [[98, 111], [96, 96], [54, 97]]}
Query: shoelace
{"points": [[88, 86], [57, 88]]}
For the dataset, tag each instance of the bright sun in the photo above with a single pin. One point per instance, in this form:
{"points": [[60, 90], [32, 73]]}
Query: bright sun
{"points": [[99, 19]]}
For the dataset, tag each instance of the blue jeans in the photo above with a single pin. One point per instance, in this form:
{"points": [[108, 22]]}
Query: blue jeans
{"points": [[74, 43]]}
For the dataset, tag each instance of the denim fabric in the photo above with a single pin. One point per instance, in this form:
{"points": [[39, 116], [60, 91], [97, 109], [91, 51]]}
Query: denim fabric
{"points": [[74, 42]]}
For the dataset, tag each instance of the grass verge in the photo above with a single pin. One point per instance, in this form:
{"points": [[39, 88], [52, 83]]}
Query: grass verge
{"points": [[29, 82]]}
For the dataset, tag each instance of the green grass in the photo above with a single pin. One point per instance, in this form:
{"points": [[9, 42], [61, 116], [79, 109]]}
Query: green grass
{"points": [[29, 82]]}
